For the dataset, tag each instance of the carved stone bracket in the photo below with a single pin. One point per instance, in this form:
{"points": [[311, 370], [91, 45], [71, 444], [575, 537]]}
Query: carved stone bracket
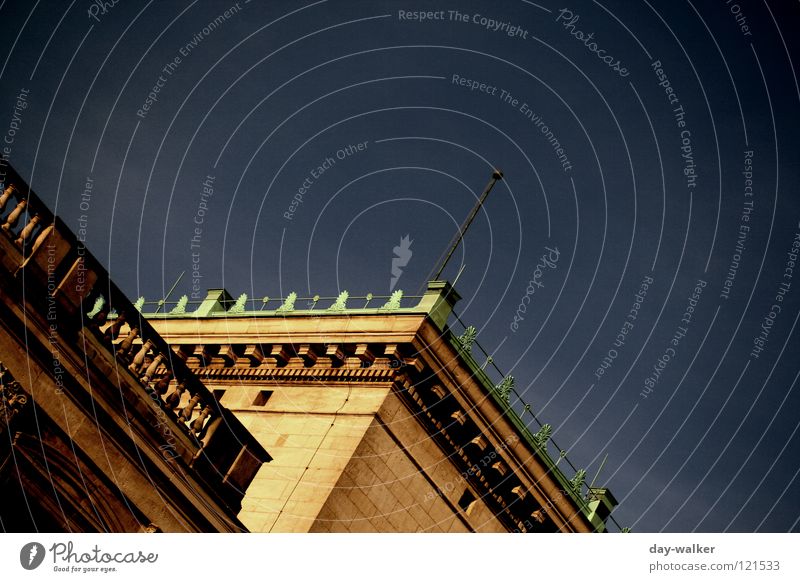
{"points": [[13, 398]]}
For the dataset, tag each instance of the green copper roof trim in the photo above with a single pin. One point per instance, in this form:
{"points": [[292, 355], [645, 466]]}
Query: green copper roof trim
{"points": [[504, 388], [394, 300], [238, 307], [467, 338], [578, 480], [544, 434], [98, 305], [288, 303], [480, 375], [341, 302], [436, 303], [180, 308]]}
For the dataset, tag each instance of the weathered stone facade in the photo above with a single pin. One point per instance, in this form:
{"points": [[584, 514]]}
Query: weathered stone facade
{"points": [[89, 438]]}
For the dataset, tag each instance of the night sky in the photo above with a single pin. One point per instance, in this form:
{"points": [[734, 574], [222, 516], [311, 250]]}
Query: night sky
{"points": [[635, 271]]}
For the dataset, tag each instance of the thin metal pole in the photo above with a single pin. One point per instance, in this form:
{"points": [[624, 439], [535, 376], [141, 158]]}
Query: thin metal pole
{"points": [[496, 175], [598, 471], [163, 301]]}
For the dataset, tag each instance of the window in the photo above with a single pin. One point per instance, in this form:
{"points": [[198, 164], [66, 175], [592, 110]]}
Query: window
{"points": [[262, 397], [467, 501]]}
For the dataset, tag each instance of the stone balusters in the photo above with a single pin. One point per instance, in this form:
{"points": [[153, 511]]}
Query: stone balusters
{"points": [[26, 233], [197, 425], [199, 422], [7, 194], [173, 399], [162, 385], [112, 332], [13, 217], [29, 230], [138, 360], [154, 371], [151, 369], [186, 411], [126, 344]]}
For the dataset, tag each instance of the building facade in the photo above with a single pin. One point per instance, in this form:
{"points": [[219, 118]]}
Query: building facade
{"points": [[91, 439], [377, 416]]}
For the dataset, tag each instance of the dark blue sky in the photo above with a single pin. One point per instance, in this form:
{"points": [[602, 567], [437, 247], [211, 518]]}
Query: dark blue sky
{"points": [[645, 141]]}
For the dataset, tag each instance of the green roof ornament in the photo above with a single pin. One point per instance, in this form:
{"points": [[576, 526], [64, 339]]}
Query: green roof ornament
{"points": [[625, 530], [543, 435], [341, 302], [504, 388], [180, 307], [139, 304], [288, 303], [577, 481], [238, 307], [98, 305], [394, 300], [466, 339]]}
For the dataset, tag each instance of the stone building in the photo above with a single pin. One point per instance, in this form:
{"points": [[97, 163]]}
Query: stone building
{"points": [[377, 416], [91, 438]]}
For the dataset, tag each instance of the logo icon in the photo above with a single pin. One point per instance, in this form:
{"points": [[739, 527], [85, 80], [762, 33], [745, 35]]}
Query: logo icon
{"points": [[31, 555], [402, 254]]}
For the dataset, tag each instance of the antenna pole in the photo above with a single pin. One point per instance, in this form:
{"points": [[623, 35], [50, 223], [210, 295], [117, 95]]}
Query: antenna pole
{"points": [[598, 471], [175, 284], [496, 175]]}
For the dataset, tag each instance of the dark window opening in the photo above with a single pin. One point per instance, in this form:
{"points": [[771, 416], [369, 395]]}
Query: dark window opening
{"points": [[467, 501], [262, 397]]}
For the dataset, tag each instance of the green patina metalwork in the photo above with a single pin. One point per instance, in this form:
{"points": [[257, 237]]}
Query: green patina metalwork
{"points": [[577, 481], [288, 303], [543, 435], [98, 305], [503, 389], [394, 300], [180, 307], [238, 307], [467, 338], [139, 304], [341, 302]]}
